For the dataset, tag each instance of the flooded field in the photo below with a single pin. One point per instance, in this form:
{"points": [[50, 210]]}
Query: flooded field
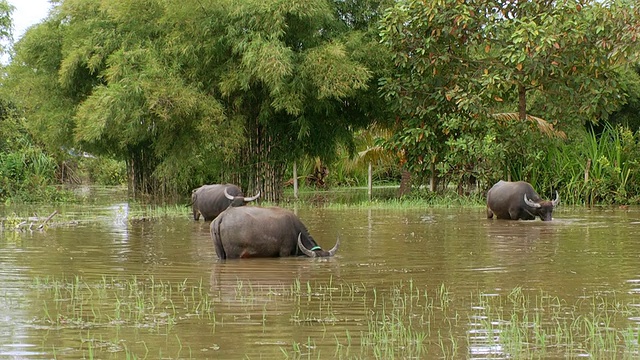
{"points": [[418, 283]]}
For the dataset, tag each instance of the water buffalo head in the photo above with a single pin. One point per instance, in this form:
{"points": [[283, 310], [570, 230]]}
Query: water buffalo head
{"points": [[543, 208], [239, 200], [316, 251]]}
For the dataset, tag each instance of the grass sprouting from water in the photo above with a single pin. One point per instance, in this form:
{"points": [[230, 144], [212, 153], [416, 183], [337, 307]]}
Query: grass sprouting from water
{"points": [[335, 318]]}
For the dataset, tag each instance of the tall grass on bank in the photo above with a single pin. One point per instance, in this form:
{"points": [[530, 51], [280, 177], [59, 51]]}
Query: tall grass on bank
{"points": [[333, 318], [28, 175], [593, 168]]}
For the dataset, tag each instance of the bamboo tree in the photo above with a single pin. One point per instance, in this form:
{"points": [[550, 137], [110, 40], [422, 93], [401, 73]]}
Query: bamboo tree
{"points": [[198, 91]]}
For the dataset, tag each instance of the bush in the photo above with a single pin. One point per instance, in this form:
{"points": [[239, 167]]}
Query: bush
{"points": [[27, 175], [102, 171], [609, 160]]}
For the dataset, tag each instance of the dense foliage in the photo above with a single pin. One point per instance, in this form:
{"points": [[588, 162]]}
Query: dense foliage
{"points": [[465, 70], [197, 91], [26, 171], [458, 94]]}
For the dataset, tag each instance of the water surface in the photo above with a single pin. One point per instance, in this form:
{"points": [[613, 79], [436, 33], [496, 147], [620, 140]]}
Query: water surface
{"points": [[416, 283]]}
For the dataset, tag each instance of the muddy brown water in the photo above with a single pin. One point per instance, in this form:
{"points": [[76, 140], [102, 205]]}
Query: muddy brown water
{"points": [[110, 287]]}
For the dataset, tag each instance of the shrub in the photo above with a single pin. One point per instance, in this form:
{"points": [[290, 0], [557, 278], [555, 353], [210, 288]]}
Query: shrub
{"points": [[103, 171]]}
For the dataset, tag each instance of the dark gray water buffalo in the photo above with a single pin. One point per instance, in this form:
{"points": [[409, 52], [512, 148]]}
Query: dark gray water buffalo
{"points": [[251, 231], [518, 200], [211, 200]]}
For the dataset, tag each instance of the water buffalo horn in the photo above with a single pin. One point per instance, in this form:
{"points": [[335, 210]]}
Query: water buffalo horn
{"points": [[555, 201], [306, 251], [531, 203], [247, 199], [226, 194], [335, 247]]}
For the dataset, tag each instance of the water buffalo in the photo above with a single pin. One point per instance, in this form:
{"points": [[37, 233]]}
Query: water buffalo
{"points": [[211, 200], [251, 231], [518, 200]]}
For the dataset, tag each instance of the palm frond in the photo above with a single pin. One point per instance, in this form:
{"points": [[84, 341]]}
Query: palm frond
{"points": [[544, 126], [375, 154]]}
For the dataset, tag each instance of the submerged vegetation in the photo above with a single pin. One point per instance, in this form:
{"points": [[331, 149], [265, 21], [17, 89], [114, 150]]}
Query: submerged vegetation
{"points": [[403, 320]]}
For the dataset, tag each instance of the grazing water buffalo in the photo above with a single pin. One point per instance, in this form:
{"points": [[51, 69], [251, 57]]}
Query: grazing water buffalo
{"points": [[211, 200], [518, 200], [251, 231]]}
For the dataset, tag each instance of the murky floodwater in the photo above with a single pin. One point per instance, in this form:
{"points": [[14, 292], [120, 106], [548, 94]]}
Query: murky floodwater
{"points": [[429, 283]]}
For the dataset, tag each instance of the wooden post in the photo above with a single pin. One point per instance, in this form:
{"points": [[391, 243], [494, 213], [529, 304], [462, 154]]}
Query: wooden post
{"points": [[586, 171], [432, 180], [295, 180], [370, 182]]}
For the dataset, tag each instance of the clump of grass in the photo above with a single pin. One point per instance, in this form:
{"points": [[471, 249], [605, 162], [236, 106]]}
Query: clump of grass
{"points": [[540, 325], [139, 213], [407, 321], [385, 198], [74, 302]]}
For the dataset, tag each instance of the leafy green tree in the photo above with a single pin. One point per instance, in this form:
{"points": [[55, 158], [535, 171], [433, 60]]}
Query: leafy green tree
{"points": [[629, 114], [474, 59], [32, 84], [196, 91]]}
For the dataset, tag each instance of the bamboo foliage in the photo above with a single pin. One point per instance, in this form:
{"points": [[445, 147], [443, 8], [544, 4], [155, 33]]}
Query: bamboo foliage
{"points": [[204, 91], [194, 92]]}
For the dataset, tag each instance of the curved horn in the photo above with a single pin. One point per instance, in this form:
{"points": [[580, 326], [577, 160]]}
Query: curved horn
{"points": [[531, 203], [256, 196], [335, 247], [226, 194], [306, 251], [555, 201]]}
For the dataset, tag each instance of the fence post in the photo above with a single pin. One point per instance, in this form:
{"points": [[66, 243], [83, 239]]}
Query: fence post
{"points": [[295, 180], [370, 184]]}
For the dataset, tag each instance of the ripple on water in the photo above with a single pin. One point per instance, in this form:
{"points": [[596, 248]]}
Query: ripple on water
{"points": [[18, 350]]}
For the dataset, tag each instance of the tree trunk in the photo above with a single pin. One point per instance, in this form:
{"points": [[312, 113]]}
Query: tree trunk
{"points": [[405, 183], [257, 169], [432, 179], [522, 102], [140, 168]]}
